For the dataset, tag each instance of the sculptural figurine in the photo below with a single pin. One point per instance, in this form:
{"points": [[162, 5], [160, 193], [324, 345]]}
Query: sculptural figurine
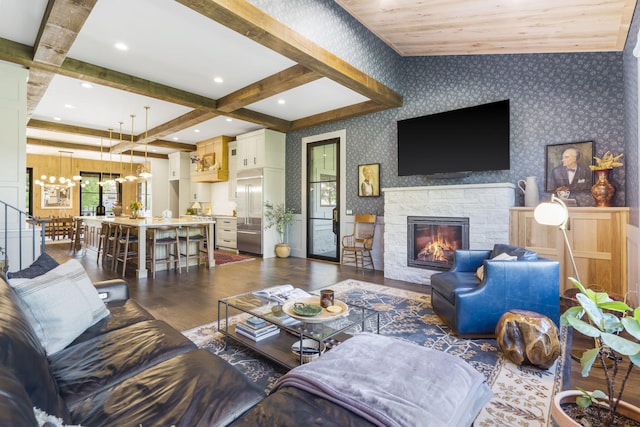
{"points": [[526, 337]]}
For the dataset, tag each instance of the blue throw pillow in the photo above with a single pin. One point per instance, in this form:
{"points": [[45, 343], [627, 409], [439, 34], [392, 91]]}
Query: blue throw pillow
{"points": [[522, 253], [43, 264]]}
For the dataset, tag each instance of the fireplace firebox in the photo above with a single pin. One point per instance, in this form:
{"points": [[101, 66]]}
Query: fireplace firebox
{"points": [[432, 241]]}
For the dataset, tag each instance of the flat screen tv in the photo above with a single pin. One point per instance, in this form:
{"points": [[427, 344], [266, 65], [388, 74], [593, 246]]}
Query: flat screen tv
{"points": [[459, 141]]}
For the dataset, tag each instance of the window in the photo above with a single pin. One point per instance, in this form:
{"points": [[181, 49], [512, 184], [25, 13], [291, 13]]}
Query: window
{"points": [[92, 194]]}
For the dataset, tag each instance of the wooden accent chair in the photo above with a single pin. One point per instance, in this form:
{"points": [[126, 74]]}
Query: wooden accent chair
{"points": [[356, 247]]}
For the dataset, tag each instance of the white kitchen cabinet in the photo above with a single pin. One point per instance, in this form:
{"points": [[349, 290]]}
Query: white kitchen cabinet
{"points": [[226, 232], [233, 168], [262, 148], [200, 192], [179, 165]]}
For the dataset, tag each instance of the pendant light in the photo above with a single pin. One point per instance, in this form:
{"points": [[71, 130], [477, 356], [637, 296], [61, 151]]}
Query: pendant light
{"points": [[131, 176], [110, 181], [101, 182], [145, 173], [120, 177]]}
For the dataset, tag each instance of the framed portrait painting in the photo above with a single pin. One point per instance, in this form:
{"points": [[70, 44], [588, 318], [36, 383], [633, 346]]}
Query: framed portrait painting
{"points": [[567, 165], [369, 180]]}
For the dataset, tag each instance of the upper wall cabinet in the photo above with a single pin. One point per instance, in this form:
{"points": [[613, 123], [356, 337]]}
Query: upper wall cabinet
{"points": [[262, 148], [213, 160], [178, 165]]}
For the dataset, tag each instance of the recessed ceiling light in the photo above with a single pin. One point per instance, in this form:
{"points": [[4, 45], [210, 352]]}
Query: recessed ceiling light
{"points": [[229, 119], [121, 46], [281, 101], [69, 106], [175, 138], [57, 119], [196, 130], [218, 79], [86, 85]]}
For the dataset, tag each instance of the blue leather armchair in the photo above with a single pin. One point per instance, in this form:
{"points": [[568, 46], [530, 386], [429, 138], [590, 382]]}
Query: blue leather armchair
{"points": [[471, 307]]}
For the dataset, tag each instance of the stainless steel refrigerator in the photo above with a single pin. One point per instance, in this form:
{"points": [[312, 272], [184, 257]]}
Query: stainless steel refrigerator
{"points": [[249, 191]]}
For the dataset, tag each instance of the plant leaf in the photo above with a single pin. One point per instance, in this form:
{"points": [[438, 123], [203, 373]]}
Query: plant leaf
{"points": [[594, 313], [584, 328], [587, 359], [615, 306], [583, 401], [576, 312], [635, 359], [632, 326], [621, 345]]}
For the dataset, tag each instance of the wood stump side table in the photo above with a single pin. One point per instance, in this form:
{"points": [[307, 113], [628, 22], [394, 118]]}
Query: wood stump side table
{"points": [[526, 337]]}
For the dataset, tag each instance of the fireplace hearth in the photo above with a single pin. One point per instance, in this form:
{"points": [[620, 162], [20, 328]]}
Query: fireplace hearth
{"points": [[432, 241]]}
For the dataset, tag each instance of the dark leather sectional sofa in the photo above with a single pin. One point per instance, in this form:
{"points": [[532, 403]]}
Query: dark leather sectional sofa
{"points": [[127, 370]]}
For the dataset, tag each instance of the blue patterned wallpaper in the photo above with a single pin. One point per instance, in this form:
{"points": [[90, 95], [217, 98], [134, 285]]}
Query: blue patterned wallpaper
{"points": [[632, 143], [555, 98]]}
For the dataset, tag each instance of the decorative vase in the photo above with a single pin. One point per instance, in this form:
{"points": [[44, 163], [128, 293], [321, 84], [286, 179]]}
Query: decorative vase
{"points": [[530, 190], [117, 210], [134, 214], [569, 396], [603, 191], [283, 250]]}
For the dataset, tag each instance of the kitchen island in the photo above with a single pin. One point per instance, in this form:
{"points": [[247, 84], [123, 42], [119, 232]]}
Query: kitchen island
{"points": [[93, 225]]}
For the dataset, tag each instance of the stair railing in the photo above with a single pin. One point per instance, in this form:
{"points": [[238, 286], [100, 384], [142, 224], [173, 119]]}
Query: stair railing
{"points": [[24, 223]]}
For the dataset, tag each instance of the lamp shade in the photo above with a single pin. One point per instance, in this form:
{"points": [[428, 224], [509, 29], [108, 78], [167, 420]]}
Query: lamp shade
{"points": [[549, 213], [196, 205]]}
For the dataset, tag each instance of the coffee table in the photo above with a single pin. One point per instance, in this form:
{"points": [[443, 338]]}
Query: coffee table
{"points": [[278, 347]]}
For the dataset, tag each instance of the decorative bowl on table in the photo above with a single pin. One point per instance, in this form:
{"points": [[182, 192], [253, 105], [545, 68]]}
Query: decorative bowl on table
{"points": [[311, 349], [306, 307], [306, 310]]}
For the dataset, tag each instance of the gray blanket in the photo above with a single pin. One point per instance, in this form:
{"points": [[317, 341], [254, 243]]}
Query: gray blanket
{"points": [[394, 383]]}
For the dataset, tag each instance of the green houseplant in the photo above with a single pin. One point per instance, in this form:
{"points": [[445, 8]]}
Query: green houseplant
{"points": [[134, 207], [279, 216], [615, 330]]}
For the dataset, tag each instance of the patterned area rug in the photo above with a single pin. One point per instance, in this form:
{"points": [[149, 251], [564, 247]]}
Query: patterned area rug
{"points": [[223, 257], [522, 394]]}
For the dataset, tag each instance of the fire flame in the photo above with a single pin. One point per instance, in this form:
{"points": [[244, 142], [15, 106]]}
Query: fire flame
{"points": [[436, 250]]}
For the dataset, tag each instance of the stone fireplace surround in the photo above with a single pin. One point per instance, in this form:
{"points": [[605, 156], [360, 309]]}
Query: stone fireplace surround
{"points": [[486, 205]]}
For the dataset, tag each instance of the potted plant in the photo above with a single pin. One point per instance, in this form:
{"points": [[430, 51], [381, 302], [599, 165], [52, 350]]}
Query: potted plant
{"points": [[280, 217], [134, 207], [615, 330]]}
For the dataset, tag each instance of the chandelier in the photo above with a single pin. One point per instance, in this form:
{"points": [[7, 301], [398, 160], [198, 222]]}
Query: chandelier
{"points": [[59, 181]]}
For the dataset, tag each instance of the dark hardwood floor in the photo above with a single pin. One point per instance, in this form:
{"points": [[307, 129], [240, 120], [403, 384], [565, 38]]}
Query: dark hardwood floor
{"points": [[190, 299]]}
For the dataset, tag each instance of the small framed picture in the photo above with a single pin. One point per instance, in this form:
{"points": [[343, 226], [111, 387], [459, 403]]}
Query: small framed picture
{"points": [[369, 180], [567, 165], [57, 198]]}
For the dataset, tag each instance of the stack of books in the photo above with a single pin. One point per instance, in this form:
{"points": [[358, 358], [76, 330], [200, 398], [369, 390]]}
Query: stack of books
{"points": [[256, 328]]}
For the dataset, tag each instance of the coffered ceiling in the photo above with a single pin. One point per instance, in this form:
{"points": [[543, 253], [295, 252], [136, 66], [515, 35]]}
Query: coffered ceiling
{"points": [[205, 68], [224, 67]]}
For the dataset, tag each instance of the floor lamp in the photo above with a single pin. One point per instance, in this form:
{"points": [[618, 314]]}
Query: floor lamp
{"points": [[556, 213]]}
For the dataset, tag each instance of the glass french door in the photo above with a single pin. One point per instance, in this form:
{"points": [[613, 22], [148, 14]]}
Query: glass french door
{"points": [[323, 196]]}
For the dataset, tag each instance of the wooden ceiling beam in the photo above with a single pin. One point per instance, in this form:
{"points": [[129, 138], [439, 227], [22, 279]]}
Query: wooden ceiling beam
{"points": [[84, 147], [185, 121], [59, 28], [76, 130], [251, 22], [290, 78], [366, 107], [63, 20]]}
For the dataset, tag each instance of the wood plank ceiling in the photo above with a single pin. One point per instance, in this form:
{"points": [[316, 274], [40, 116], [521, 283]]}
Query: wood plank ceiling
{"points": [[464, 27]]}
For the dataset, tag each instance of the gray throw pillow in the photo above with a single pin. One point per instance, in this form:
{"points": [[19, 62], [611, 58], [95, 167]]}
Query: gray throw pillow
{"points": [[43, 264], [522, 253]]}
